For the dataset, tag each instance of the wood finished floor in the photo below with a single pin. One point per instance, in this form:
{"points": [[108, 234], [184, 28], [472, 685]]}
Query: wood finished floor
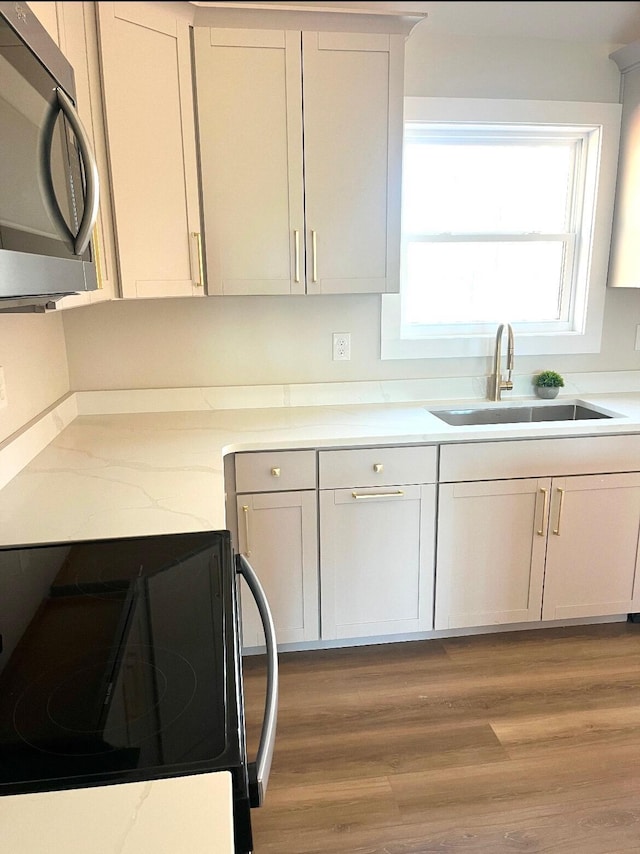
{"points": [[518, 742]]}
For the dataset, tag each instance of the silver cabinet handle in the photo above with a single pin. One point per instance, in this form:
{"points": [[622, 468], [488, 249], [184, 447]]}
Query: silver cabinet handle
{"points": [[247, 549], [556, 530], [314, 256], [198, 237], [545, 506], [397, 494], [92, 195], [259, 771]]}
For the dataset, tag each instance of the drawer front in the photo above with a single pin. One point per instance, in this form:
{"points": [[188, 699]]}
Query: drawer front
{"points": [[275, 471], [539, 457], [377, 467]]}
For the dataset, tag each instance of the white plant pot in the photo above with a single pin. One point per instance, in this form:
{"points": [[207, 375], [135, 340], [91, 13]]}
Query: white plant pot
{"points": [[547, 392]]}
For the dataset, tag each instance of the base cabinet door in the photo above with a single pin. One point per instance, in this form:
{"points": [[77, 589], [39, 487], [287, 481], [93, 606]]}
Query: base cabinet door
{"points": [[491, 552], [592, 552], [376, 556], [277, 532]]}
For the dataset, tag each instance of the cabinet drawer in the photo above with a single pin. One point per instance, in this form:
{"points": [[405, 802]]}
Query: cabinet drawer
{"points": [[275, 471], [539, 457], [377, 466]]}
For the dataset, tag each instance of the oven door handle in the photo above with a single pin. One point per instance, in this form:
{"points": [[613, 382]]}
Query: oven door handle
{"points": [[259, 770]]}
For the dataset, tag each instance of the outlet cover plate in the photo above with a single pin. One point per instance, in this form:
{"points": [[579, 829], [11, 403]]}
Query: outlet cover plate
{"points": [[341, 346]]}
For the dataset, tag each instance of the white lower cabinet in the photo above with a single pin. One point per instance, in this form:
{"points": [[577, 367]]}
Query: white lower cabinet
{"points": [[592, 549], [490, 559], [512, 551], [377, 541], [376, 552], [344, 540], [278, 534]]}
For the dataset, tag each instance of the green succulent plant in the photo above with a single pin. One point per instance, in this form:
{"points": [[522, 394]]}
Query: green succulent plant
{"points": [[548, 379]]}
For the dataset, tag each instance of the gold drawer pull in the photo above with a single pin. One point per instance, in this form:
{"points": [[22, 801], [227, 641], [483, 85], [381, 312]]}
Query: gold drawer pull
{"points": [[397, 494], [378, 467], [198, 238], [314, 256], [275, 471], [545, 506], [556, 530], [296, 239], [245, 510]]}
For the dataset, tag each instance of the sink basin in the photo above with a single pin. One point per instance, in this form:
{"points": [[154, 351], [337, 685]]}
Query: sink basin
{"points": [[518, 414]]}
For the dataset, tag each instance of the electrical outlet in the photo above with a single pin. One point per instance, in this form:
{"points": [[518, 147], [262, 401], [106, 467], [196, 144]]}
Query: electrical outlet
{"points": [[3, 390], [341, 346]]}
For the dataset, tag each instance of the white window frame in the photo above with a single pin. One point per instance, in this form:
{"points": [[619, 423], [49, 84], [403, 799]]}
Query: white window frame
{"points": [[603, 122]]}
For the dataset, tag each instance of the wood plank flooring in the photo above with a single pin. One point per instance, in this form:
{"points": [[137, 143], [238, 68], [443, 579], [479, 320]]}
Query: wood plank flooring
{"points": [[526, 741]]}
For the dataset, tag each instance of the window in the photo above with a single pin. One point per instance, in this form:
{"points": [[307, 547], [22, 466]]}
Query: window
{"points": [[506, 217]]}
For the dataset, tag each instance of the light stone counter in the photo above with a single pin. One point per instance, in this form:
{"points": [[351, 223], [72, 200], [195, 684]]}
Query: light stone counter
{"points": [[131, 818], [128, 474]]}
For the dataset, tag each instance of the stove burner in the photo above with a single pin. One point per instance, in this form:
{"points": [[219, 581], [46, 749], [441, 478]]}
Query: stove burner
{"points": [[78, 709]]}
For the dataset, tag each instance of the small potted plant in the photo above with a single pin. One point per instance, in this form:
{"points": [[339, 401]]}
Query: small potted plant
{"points": [[548, 384]]}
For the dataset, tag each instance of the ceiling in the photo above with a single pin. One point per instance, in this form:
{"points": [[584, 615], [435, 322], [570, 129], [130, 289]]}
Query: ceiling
{"points": [[599, 22]]}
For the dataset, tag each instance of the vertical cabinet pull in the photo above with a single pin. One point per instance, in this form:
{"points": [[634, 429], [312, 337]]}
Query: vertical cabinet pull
{"points": [[556, 530], [198, 237], [314, 256], [545, 507], [296, 262], [247, 549]]}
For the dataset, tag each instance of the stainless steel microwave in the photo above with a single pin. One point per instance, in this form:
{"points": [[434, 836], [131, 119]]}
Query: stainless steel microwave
{"points": [[48, 175]]}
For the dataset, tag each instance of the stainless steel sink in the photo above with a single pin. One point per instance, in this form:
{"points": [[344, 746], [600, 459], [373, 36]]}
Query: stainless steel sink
{"points": [[518, 414]]}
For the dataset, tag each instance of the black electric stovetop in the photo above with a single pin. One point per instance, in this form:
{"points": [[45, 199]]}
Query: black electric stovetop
{"points": [[119, 662]]}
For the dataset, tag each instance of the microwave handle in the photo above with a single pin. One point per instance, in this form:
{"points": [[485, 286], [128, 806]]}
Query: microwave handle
{"points": [[92, 191], [259, 771]]}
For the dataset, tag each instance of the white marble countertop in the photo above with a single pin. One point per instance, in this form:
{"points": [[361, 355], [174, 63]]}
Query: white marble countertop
{"points": [[161, 472], [130, 818]]}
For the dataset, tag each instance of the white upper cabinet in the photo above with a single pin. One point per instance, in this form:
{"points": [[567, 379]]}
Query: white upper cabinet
{"points": [[249, 95], [624, 265], [147, 80], [352, 101], [300, 137]]}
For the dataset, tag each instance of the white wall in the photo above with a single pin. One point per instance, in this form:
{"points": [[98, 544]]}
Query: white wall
{"points": [[34, 358], [261, 340]]}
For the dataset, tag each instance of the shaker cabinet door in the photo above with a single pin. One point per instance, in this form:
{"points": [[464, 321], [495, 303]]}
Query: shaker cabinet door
{"points": [[376, 561], [491, 552], [277, 533], [352, 95], [300, 143], [147, 80], [592, 555], [249, 105]]}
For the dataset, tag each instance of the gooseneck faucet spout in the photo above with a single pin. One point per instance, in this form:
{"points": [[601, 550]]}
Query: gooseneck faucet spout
{"points": [[497, 383]]}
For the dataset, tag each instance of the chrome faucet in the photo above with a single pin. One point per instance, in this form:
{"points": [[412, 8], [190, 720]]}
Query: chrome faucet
{"points": [[497, 383]]}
